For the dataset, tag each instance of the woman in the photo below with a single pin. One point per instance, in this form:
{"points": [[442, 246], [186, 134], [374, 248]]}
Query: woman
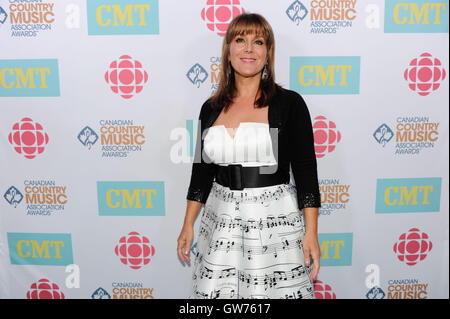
{"points": [[253, 241]]}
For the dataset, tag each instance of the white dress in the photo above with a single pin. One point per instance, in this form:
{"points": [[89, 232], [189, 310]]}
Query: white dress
{"points": [[249, 243]]}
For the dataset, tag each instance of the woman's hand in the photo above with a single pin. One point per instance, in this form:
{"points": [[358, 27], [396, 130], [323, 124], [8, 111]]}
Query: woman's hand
{"points": [[311, 248], [184, 243]]}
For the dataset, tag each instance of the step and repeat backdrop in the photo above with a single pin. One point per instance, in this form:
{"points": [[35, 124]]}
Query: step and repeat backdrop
{"points": [[99, 102]]}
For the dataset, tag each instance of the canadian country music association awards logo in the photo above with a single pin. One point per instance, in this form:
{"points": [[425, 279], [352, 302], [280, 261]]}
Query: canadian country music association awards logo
{"points": [[134, 250], [87, 137], [375, 293], [42, 197], [409, 288], [334, 195], [28, 18], [218, 14], [13, 196], [197, 74], [323, 290], [412, 246], [28, 138], [383, 134], [326, 136], [297, 12], [424, 74], [126, 76], [45, 289], [124, 290], [3, 16], [411, 134], [100, 293], [118, 138], [326, 16]]}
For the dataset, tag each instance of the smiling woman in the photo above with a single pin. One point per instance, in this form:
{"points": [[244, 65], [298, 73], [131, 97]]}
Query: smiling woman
{"points": [[258, 231], [248, 50]]}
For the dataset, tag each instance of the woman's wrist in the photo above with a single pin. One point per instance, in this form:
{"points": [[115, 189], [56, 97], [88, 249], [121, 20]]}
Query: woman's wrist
{"points": [[188, 224], [311, 232]]}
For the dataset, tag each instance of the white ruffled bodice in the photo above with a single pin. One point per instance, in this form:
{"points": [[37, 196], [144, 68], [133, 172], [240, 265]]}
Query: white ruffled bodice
{"points": [[250, 146]]}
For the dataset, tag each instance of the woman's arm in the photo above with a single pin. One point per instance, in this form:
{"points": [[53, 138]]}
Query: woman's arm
{"points": [[304, 169]]}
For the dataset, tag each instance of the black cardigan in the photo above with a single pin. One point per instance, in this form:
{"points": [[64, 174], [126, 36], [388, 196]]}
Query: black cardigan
{"points": [[287, 112]]}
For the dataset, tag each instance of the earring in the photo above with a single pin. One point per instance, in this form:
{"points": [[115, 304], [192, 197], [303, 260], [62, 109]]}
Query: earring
{"points": [[264, 73]]}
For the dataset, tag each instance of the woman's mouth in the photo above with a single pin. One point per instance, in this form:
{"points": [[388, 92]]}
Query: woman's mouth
{"points": [[248, 60]]}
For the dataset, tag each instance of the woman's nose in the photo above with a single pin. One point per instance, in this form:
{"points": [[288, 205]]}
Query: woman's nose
{"points": [[248, 46]]}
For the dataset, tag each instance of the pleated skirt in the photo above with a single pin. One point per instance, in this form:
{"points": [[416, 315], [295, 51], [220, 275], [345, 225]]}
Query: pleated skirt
{"points": [[249, 246]]}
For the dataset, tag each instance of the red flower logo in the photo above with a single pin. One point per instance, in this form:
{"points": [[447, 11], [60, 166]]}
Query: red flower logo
{"points": [[323, 291], [126, 76], [134, 250], [28, 138], [412, 246], [44, 289], [424, 74], [218, 14], [326, 136]]}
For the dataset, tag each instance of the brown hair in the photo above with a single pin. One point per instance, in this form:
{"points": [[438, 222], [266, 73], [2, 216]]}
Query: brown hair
{"points": [[243, 24]]}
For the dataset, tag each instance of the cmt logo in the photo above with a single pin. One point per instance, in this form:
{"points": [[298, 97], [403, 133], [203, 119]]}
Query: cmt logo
{"points": [[40, 249], [336, 249], [29, 77], [218, 14], [131, 198], [108, 17], [197, 75], [408, 195], [325, 75], [415, 16]]}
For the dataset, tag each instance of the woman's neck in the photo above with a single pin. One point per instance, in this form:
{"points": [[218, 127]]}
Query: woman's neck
{"points": [[247, 87]]}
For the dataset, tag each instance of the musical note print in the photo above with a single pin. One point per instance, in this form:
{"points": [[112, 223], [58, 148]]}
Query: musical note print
{"points": [[256, 251], [250, 244]]}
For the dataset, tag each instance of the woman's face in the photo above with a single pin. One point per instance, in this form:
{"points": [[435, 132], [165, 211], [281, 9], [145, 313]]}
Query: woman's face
{"points": [[248, 55]]}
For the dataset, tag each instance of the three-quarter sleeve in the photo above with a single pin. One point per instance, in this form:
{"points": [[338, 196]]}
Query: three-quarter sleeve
{"points": [[202, 175], [302, 154]]}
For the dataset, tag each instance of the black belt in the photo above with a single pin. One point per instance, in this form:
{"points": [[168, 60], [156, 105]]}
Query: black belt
{"points": [[238, 177]]}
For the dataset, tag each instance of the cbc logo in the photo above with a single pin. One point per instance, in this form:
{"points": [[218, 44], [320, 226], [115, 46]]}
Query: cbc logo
{"points": [[218, 14], [412, 246], [126, 76], [424, 74], [323, 291], [44, 289], [28, 138], [326, 136], [134, 250]]}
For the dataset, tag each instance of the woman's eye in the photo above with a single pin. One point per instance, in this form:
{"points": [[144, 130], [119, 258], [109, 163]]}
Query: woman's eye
{"points": [[259, 42], [239, 40]]}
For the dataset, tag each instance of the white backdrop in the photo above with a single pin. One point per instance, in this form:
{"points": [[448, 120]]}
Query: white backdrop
{"points": [[362, 247]]}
